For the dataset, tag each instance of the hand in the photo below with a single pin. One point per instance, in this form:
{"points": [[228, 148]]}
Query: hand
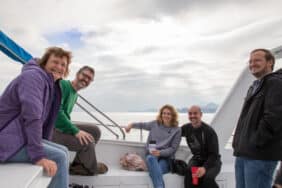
{"points": [[277, 186], [84, 137], [201, 172], [49, 166], [128, 128], [156, 153]]}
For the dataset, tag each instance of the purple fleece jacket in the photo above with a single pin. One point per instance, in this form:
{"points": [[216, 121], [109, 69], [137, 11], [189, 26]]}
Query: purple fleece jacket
{"points": [[28, 109]]}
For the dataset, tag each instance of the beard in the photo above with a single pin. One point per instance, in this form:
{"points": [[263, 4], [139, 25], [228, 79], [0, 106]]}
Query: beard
{"points": [[82, 84]]}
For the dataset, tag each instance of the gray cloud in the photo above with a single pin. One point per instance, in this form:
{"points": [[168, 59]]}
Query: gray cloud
{"points": [[145, 51], [156, 9], [109, 59], [97, 32], [121, 86], [148, 53], [9, 70]]}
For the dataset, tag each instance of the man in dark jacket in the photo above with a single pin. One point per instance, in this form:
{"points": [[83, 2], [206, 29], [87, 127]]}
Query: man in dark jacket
{"points": [[257, 141], [203, 142]]}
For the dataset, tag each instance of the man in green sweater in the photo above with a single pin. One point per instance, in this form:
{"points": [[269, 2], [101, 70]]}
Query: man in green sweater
{"points": [[79, 138]]}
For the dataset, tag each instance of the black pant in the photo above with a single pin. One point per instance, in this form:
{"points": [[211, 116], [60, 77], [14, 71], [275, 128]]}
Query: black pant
{"points": [[207, 181]]}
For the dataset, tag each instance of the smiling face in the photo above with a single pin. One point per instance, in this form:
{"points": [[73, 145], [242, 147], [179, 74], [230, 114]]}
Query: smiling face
{"points": [[258, 65], [83, 79], [56, 66], [195, 116], [166, 116]]}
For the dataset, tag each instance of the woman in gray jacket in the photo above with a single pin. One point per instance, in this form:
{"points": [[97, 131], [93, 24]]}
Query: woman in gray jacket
{"points": [[166, 136]]}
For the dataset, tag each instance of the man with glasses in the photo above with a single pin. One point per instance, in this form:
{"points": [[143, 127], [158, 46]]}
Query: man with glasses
{"points": [[78, 138]]}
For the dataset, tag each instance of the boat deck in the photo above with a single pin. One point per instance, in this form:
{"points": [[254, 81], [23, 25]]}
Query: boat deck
{"points": [[17, 175], [120, 178], [110, 151], [22, 175]]}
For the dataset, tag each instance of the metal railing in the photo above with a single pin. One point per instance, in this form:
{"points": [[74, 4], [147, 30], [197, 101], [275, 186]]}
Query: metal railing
{"points": [[107, 126]]}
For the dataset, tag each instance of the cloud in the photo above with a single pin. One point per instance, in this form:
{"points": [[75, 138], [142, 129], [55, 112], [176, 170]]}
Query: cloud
{"points": [[9, 70], [150, 52], [145, 50], [152, 9]]}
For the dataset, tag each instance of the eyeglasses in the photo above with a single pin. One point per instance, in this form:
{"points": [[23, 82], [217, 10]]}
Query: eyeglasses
{"points": [[87, 76]]}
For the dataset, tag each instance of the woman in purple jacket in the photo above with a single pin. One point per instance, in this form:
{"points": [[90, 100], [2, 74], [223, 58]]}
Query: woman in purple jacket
{"points": [[28, 109]]}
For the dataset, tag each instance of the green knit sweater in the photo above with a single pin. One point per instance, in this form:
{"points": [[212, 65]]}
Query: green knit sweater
{"points": [[69, 97]]}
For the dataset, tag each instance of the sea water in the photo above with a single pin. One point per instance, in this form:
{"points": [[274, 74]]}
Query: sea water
{"points": [[124, 118]]}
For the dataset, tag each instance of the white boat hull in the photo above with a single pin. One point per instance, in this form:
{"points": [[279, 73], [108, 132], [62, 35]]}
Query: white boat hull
{"points": [[110, 151]]}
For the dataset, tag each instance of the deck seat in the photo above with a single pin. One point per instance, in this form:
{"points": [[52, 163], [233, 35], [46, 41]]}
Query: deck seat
{"points": [[22, 175], [110, 151], [120, 178]]}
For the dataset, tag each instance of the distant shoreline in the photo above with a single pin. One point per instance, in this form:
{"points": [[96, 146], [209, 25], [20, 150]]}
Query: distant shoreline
{"points": [[209, 108], [136, 111]]}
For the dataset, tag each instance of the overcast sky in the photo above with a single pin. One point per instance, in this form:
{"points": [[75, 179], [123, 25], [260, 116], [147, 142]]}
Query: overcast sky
{"points": [[146, 52]]}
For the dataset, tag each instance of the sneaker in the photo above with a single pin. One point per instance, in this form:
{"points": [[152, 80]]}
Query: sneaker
{"points": [[102, 168]]}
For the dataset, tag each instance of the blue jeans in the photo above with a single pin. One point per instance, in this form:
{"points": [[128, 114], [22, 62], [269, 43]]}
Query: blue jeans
{"points": [[54, 152], [254, 173], [157, 167]]}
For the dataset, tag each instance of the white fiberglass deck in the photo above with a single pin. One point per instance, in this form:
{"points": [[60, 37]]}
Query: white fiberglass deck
{"points": [[109, 152], [119, 178], [22, 175]]}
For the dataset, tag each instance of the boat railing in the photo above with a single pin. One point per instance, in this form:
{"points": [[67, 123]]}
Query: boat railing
{"points": [[141, 135], [106, 126]]}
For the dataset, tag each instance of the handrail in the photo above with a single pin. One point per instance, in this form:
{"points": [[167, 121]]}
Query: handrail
{"points": [[110, 125], [103, 114], [101, 123], [97, 124]]}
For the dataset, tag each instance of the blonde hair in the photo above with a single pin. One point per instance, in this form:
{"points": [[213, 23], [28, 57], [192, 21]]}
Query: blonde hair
{"points": [[58, 52], [174, 114]]}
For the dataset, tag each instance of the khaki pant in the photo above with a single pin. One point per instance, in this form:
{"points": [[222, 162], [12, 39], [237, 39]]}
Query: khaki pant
{"points": [[85, 154]]}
